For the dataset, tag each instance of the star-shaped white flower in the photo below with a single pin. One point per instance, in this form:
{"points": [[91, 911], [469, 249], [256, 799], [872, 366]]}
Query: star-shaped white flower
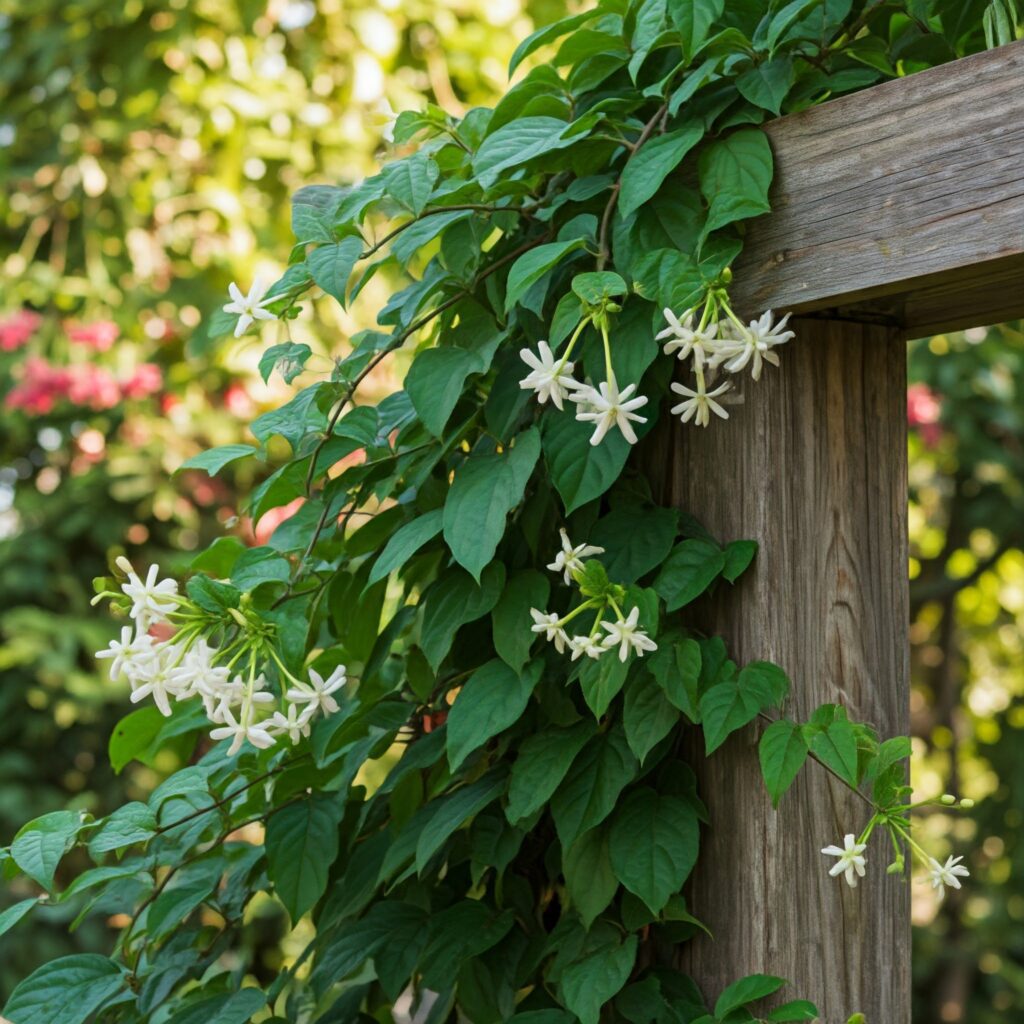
{"points": [[129, 653], [754, 346], [318, 694], [548, 623], [685, 340], [607, 407], [591, 646], [627, 636], [153, 599], [248, 307], [241, 729], [851, 861], [700, 404], [948, 874], [296, 723], [548, 378], [156, 678], [570, 558]]}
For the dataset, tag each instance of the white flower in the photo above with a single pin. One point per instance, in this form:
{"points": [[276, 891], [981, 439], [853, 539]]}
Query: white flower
{"points": [[318, 695], [248, 307], [941, 875], [548, 624], [591, 646], [625, 634], [685, 340], [152, 600], [241, 729], [851, 862], [156, 678], [296, 723], [610, 407], [755, 344], [700, 404], [129, 653], [570, 559], [549, 379]]}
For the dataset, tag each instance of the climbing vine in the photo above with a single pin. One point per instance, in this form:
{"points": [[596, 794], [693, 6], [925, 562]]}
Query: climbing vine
{"points": [[452, 686]]}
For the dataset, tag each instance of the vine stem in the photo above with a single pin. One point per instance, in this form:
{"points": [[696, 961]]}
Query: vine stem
{"points": [[830, 770], [613, 199]]}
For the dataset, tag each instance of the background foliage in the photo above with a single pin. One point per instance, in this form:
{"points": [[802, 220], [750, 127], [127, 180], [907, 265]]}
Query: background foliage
{"points": [[147, 151]]}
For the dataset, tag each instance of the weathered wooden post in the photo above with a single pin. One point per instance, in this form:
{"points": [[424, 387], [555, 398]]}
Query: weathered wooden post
{"points": [[898, 212]]}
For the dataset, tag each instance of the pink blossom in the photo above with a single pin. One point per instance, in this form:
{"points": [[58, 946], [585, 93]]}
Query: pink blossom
{"points": [[99, 336], [923, 411], [147, 380], [93, 386], [16, 330]]}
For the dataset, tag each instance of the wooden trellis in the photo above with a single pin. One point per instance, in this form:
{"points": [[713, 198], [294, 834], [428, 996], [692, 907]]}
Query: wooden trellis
{"points": [[898, 213]]}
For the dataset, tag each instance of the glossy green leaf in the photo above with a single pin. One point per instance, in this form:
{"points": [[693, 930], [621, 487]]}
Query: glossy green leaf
{"points": [[782, 752], [69, 989], [652, 163]]}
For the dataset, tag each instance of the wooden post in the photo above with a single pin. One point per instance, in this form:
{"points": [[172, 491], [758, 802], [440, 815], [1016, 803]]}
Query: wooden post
{"points": [[897, 212], [813, 466]]}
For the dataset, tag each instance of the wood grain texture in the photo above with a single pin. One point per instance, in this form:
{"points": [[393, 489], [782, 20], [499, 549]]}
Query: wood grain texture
{"points": [[812, 466], [899, 203]]}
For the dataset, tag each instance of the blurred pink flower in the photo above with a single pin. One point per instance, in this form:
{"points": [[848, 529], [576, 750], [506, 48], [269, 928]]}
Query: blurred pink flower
{"points": [[16, 330], [147, 380], [94, 386], [99, 336], [40, 387], [923, 411]]}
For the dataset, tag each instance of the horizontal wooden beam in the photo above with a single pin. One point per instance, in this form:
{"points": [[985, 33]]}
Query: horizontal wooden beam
{"points": [[902, 204]]}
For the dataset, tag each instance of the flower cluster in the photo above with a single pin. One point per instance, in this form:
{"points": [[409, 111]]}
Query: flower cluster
{"points": [[43, 385], [710, 335], [605, 406], [851, 862], [17, 329], [229, 679], [601, 600], [718, 341]]}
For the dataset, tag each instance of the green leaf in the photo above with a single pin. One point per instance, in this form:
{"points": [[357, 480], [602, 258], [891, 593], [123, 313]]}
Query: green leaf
{"points": [[67, 990], [691, 568], [454, 810], [493, 698], [738, 556], [677, 671], [548, 34], [767, 85], [636, 539], [39, 845], [735, 175], [411, 181], [653, 845], [486, 488], [540, 766], [14, 913], [511, 621], [533, 265], [593, 287], [590, 982], [215, 459], [837, 747], [133, 735], [131, 823], [766, 681], [301, 844], [601, 679], [454, 601], [260, 565], [188, 890], [652, 163], [589, 878], [331, 265], [649, 716], [579, 470], [288, 358], [516, 143], [599, 773], [782, 751], [799, 1009], [404, 543], [235, 1008], [436, 379], [746, 990], [724, 709], [693, 19]]}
